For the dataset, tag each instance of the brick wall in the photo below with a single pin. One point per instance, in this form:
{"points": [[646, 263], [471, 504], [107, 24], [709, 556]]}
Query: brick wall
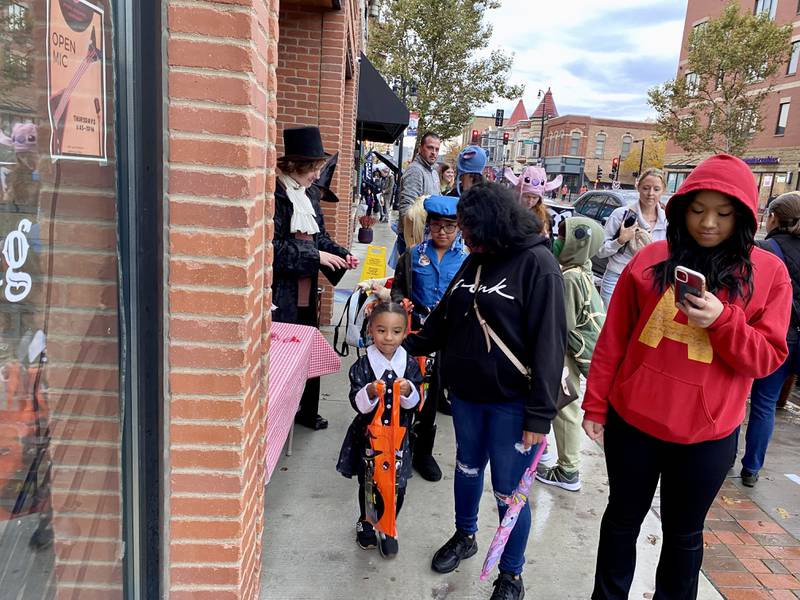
{"points": [[315, 87], [220, 178]]}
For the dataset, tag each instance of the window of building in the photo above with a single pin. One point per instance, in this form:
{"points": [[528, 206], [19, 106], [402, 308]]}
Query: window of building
{"points": [[627, 140], [692, 83], [16, 67], [17, 17], [766, 6], [749, 121], [697, 30], [783, 118], [600, 145], [575, 143], [674, 181], [794, 58]]}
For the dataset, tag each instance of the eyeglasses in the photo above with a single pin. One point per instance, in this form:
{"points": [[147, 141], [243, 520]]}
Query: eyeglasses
{"points": [[448, 228]]}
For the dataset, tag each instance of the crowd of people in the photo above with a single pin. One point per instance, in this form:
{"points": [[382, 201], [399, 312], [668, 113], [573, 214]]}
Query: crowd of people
{"points": [[504, 301]]}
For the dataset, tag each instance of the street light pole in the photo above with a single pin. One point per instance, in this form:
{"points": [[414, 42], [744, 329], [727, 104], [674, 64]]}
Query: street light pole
{"points": [[641, 158], [541, 129]]}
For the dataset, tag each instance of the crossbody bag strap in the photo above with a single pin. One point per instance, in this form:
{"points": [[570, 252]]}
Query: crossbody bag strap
{"points": [[490, 334]]}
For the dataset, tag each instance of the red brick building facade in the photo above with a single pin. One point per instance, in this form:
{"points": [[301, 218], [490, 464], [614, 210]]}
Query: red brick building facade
{"points": [[774, 153], [575, 146], [239, 73]]}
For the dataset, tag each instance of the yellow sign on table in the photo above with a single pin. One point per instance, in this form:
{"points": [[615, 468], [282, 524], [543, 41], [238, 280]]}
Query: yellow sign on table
{"points": [[375, 263]]}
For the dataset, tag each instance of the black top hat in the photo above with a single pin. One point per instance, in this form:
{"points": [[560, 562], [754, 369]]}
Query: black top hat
{"points": [[303, 143]]}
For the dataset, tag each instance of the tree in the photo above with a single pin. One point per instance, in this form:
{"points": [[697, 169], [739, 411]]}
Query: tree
{"points": [[439, 46], [654, 150], [715, 104]]}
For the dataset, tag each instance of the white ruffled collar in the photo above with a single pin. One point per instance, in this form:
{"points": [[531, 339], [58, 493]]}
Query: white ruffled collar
{"points": [[303, 217], [380, 364]]}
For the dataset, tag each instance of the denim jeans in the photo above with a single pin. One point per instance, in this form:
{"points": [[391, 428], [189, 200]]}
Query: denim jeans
{"points": [[763, 398], [491, 432]]}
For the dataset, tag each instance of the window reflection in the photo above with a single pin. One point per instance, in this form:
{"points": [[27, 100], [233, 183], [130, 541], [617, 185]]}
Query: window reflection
{"points": [[60, 498]]}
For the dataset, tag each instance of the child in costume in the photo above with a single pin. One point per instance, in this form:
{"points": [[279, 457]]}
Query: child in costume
{"points": [[531, 186], [579, 239], [423, 274], [385, 361]]}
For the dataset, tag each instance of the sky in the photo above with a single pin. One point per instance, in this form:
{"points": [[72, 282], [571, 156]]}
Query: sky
{"points": [[599, 58]]}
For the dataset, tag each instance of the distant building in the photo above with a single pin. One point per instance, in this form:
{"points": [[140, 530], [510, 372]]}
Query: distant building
{"points": [[575, 146], [774, 154]]}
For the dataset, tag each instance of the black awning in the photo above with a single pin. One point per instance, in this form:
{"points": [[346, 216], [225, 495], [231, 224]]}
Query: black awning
{"points": [[382, 117]]}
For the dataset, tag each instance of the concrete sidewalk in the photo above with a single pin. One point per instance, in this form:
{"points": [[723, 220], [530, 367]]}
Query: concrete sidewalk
{"points": [[311, 510]]}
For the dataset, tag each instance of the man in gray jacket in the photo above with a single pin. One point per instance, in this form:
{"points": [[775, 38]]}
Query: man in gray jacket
{"points": [[419, 179]]}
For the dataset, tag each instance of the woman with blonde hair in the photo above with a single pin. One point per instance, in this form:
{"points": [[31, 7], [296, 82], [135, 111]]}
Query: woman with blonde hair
{"points": [[783, 240], [631, 228]]}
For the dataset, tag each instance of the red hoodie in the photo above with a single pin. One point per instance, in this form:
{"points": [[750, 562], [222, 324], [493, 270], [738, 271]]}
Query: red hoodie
{"points": [[675, 381]]}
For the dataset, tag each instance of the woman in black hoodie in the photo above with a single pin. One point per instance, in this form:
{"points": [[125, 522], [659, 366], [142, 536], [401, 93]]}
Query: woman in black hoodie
{"points": [[509, 291], [783, 239]]}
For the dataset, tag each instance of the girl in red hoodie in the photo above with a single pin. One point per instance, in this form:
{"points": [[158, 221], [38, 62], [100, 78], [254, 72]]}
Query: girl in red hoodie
{"points": [[668, 381]]}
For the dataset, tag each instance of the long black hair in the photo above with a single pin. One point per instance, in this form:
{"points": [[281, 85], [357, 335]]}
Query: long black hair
{"points": [[494, 218], [725, 266]]}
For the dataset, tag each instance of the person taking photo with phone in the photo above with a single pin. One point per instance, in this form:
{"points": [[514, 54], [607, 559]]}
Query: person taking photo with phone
{"points": [[669, 380], [630, 228]]}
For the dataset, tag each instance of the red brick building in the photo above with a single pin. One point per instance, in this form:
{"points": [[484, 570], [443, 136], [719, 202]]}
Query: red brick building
{"points": [[136, 325], [774, 153], [575, 146]]}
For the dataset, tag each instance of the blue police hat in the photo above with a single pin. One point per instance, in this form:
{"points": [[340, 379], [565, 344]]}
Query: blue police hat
{"points": [[441, 206]]}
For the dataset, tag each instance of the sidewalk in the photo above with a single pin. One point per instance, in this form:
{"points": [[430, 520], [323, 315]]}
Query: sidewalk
{"points": [[309, 538]]}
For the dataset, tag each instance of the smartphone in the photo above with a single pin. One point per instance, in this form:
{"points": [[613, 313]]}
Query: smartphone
{"points": [[688, 282], [627, 221]]}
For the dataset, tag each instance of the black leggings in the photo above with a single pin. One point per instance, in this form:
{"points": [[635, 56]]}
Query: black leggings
{"points": [[691, 476]]}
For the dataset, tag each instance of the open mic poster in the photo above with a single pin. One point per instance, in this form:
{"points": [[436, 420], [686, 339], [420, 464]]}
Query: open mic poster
{"points": [[76, 80]]}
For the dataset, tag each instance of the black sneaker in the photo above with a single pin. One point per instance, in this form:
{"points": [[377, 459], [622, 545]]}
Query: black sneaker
{"points": [[365, 535], [457, 548], [387, 545], [749, 478], [427, 467], [558, 477], [508, 587]]}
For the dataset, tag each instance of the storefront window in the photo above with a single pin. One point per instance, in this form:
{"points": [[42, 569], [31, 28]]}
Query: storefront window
{"points": [[60, 416]]}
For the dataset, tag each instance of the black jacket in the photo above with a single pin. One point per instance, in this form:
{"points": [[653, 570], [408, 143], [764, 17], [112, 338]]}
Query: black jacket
{"points": [[522, 299], [295, 258], [351, 454], [790, 246]]}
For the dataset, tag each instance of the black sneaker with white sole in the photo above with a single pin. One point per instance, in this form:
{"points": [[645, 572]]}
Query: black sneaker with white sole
{"points": [[559, 477], [365, 535]]}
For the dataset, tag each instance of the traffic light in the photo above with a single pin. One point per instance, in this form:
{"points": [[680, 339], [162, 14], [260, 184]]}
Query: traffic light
{"points": [[615, 168], [505, 139], [475, 136], [599, 172], [499, 117]]}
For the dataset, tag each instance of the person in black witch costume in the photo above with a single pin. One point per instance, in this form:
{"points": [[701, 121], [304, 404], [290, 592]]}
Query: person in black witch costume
{"points": [[386, 361], [302, 247]]}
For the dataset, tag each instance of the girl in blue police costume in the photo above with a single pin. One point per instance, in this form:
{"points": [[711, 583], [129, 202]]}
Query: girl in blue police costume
{"points": [[385, 360], [423, 275]]}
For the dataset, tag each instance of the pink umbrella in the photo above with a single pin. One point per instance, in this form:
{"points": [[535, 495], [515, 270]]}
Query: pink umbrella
{"points": [[515, 504]]}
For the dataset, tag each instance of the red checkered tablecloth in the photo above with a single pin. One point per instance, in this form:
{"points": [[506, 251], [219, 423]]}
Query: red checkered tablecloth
{"points": [[297, 353]]}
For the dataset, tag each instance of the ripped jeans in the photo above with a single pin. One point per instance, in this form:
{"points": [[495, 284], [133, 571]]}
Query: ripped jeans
{"points": [[490, 432]]}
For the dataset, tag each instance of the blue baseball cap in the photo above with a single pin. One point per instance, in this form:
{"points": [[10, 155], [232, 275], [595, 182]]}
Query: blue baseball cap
{"points": [[441, 206], [472, 159]]}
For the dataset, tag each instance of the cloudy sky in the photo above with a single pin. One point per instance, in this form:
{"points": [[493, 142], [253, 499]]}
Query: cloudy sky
{"points": [[599, 58]]}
